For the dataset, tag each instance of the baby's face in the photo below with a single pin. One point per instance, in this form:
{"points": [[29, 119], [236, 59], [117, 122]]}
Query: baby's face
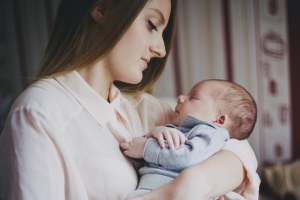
{"points": [[199, 103]]}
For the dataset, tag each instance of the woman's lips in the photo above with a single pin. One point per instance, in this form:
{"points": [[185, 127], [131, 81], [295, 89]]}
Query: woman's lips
{"points": [[146, 61]]}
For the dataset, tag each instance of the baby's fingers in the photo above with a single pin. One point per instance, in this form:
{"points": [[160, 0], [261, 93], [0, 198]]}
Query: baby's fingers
{"points": [[176, 139], [161, 141], [169, 138], [182, 138], [124, 146], [126, 153]]}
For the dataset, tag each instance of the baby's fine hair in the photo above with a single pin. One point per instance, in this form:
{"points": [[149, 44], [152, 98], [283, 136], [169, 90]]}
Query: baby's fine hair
{"points": [[235, 101]]}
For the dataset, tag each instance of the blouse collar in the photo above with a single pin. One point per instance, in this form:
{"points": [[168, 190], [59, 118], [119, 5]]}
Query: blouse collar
{"points": [[96, 105]]}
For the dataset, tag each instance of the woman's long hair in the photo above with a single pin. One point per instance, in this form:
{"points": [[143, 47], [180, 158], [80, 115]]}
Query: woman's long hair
{"points": [[77, 40]]}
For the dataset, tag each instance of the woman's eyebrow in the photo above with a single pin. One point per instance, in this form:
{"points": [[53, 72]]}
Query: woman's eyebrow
{"points": [[162, 19]]}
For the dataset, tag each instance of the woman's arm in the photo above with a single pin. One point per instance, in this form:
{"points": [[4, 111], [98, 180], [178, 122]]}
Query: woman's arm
{"points": [[215, 176], [31, 164]]}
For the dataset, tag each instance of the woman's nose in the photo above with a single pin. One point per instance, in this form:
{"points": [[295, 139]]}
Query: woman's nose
{"points": [[180, 99], [158, 48]]}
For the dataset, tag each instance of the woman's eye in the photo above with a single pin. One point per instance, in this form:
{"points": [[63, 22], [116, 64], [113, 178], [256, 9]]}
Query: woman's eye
{"points": [[151, 25]]}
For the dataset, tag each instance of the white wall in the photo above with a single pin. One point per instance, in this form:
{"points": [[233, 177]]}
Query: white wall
{"points": [[202, 54]]}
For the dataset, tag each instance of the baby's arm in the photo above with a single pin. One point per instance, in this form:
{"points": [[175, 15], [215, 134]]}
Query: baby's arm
{"points": [[200, 146], [173, 136]]}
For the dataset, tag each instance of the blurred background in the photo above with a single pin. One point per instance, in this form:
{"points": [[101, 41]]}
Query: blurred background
{"points": [[255, 43]]}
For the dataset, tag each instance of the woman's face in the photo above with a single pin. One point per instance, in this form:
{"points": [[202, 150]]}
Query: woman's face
{"points": [[142, 41]]}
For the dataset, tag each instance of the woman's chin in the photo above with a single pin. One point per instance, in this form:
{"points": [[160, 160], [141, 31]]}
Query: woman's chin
{"points": [[134, 78], [134, 81]]}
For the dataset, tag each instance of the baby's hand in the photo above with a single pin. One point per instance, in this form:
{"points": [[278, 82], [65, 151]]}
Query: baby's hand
{"points": [[173, 136], [134, 149]]}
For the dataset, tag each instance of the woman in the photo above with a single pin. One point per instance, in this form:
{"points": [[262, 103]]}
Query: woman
{"points": [[61, 139]]}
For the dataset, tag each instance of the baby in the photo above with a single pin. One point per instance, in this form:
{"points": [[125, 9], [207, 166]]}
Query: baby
{"points": [[211, 113]]}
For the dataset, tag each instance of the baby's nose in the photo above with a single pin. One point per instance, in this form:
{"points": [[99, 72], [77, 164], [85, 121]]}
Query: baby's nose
{"points": [[180, 99]]}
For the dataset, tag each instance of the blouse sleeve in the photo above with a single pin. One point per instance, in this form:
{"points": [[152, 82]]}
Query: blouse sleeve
{"points": [[30, 162], [250, 188], [158, 113], [151, 111]]}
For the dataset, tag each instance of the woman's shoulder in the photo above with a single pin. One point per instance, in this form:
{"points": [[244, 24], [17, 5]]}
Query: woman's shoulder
{"points": [[46, 96], [141, 98], [150, 108]]}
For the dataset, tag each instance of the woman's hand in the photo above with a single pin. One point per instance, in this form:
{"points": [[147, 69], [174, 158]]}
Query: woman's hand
{"points": [[173, 136], [134, 149]]}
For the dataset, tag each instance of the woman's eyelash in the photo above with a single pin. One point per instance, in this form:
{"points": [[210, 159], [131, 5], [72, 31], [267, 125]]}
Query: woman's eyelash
{"points": [[151, 25]]}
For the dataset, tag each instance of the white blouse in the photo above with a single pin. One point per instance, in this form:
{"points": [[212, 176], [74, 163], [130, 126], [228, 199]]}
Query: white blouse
{"points": [[61, 141]]}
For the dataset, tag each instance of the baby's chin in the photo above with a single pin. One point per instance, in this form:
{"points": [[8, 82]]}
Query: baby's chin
{"points": [[175, 122], [176, 118]]}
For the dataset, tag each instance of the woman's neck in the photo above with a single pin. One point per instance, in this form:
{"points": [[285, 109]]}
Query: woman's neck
{"points": [[98, 77]]}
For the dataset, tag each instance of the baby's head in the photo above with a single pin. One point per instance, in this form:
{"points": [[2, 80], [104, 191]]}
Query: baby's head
{"points": [[222, 103]]}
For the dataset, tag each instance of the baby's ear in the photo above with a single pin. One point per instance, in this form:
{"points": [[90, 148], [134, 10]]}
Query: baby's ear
{"points": [[98, 11], [221, 120]]}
